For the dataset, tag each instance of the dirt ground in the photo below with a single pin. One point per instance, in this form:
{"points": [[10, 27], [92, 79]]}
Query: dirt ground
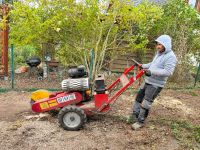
{"points": [[22, 129]]}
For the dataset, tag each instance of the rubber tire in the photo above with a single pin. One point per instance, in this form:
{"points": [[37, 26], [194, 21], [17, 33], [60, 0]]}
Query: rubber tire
{"points": [[75, 109]]}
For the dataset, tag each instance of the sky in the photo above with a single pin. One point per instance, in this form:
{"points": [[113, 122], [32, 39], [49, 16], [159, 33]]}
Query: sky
{"points": [[192, 2]]}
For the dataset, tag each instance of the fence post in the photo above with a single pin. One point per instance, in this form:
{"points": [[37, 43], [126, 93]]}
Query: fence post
{"points": [[12, 66], [91, 63], [197, 75]]}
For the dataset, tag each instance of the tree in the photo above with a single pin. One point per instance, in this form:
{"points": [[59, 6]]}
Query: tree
{"points": [[76, 28], [181, 22]]}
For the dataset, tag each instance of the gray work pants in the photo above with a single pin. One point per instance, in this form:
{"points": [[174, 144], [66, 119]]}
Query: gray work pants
{"points": [[145, 97]]}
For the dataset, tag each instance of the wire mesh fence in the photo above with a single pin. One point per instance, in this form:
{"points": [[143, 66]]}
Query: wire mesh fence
{"points": [[49, 75], [27, 78], [33, 81]]}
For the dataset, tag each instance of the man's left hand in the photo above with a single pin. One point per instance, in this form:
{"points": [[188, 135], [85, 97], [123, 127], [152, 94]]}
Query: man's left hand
{"points": [[148, 73]]}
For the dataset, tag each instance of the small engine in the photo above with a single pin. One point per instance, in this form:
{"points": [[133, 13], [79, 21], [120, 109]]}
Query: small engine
{"points": [[77, 72], [80, 84], [78, 80]]}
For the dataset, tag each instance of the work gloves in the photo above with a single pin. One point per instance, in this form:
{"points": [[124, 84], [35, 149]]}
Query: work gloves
{"points": [[148, 73]]}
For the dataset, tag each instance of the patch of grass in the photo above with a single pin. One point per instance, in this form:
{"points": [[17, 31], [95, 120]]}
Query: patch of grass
{"points": [[123, 119], [35, 89], [2, 90], [187, 134], [31, 89], [53, 90], [182, 88], [193, 93], [118, 118], [197, 133]]}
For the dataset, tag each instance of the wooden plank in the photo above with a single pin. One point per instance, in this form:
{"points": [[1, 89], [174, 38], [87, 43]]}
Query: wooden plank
{"points": [[120, 66], [124, 61]]}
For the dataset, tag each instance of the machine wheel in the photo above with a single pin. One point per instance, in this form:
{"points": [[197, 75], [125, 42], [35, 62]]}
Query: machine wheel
{"points": [[71, 118]]}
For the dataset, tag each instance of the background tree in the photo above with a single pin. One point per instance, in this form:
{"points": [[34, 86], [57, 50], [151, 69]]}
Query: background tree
{"points": [[181, 21], [76, 28]]}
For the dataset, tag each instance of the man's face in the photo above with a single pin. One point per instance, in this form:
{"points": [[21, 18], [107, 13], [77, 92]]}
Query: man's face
{"points": [[159, 47]]}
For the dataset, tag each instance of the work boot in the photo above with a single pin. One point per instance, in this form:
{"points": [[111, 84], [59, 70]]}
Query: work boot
{"points": [[137, 125], [143, 115], [141, 118], [136, 110]]}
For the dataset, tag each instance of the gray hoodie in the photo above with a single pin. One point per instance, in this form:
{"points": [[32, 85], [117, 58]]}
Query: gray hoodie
{"points": [[163, 64]]}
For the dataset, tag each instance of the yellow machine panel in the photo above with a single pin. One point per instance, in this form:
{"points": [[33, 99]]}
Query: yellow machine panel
{"points": [[40, 94]]}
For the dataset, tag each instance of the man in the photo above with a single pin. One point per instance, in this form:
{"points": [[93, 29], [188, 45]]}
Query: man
{"points": [[157, 72]]}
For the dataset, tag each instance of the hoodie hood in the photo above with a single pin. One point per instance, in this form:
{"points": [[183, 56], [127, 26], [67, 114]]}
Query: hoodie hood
{"points": [[166, 41]]}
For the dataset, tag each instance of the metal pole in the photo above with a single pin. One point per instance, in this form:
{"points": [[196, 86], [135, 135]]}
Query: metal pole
{"points": [[91, 68], [91, 63], [197, 75], [12, 66]]}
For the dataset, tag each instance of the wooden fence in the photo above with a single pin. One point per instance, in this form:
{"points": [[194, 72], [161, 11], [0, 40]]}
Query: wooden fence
{"points": [[124, 61]]}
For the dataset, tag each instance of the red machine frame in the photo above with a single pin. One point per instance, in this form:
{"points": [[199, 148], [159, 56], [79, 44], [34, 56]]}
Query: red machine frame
{"points": [[99, 104]]}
